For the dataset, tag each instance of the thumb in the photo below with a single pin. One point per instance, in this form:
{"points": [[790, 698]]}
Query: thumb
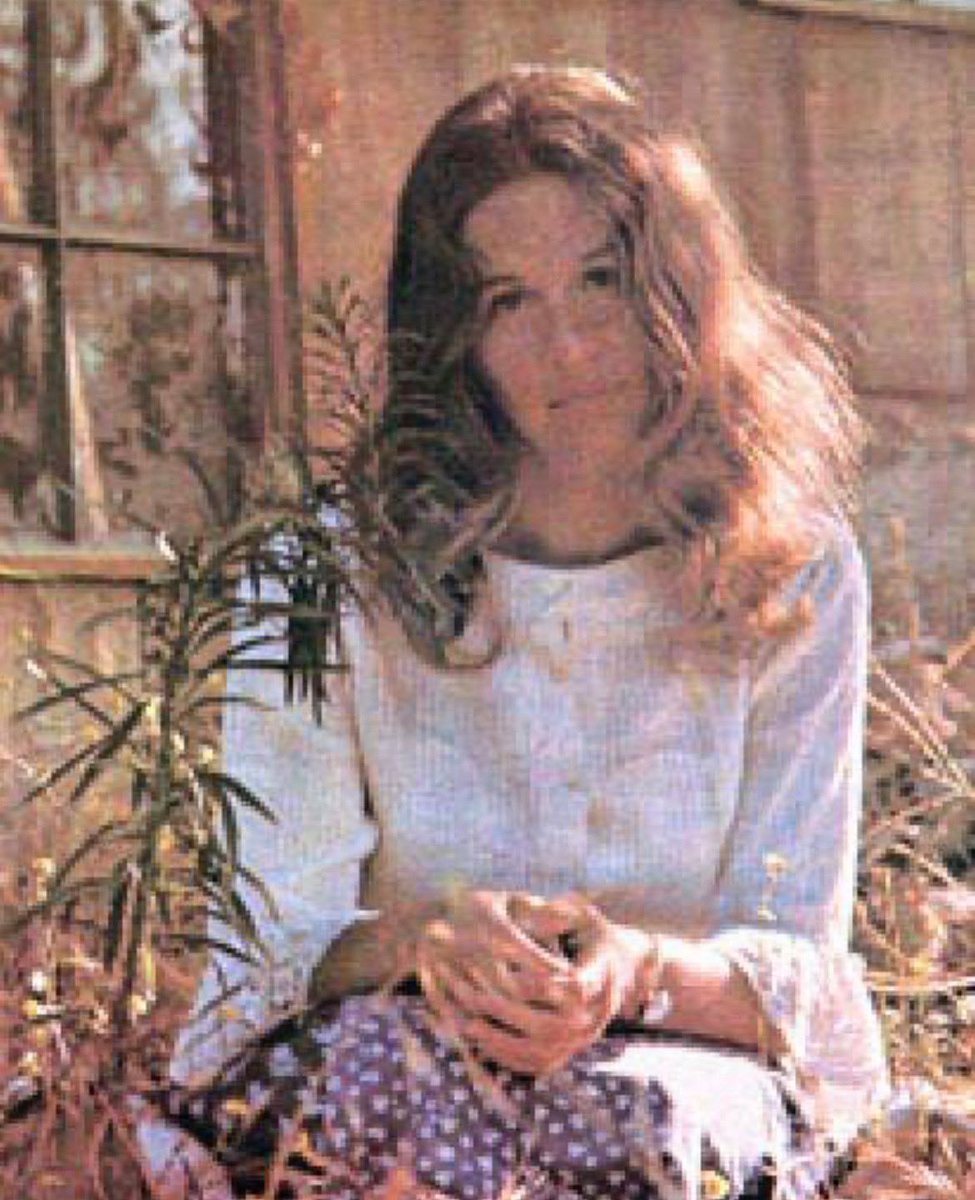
{"points": [[544, 920]]}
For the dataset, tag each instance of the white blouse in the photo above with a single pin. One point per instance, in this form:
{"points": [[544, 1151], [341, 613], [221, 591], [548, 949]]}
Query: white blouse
{"points": [[585, 756]]}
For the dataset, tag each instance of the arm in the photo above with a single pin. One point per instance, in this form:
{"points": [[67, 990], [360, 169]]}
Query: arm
{"points": [[310, 859], [775, 971], [786, 930]]}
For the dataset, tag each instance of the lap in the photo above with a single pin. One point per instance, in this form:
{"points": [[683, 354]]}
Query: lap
{"points": [[369, 1089]]}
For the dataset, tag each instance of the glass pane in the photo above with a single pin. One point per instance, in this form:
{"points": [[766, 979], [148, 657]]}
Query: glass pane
{"points": [[25, 490], [15, 139], [157, 370], [133, 116]]}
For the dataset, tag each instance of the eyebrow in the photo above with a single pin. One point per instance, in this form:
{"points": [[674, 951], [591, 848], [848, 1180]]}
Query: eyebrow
{"points": [[600, 251]]}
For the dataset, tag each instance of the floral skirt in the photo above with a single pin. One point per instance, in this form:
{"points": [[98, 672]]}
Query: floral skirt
{"points": [[366, 1100]]}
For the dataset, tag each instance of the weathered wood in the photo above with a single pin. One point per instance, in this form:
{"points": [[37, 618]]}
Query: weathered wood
{"points": [[892, 12], [963, 121], [921, 469], [495, 36], [882, 138]]}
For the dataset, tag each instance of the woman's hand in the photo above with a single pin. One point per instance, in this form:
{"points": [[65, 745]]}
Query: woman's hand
{"points": [[496, 972], [474, 961]]}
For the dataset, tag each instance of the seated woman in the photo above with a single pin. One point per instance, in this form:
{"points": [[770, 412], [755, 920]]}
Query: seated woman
{"points": [[595, 768]]}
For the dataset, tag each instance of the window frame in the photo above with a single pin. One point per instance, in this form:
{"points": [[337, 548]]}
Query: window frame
{"points": [[266, 252], [912, 13]]}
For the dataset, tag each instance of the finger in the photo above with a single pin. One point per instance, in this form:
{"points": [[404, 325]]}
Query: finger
{"points": [[527, 1055], [521, 1016], [438, 998], [540, 918], [540, 989], [601, 985], [509, 941]]}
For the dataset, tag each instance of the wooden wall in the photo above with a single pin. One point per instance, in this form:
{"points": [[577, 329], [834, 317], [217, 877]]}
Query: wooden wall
{"points": [[848, 149]]}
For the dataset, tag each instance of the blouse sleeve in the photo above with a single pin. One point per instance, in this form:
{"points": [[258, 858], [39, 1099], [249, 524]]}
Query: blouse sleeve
{"points": [[788, 869], [310, 776]]}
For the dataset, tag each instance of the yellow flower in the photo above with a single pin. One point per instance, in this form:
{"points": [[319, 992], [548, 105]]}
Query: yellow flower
{"points": [[44, 868], [30, 1063], [32, 1009], [139, 1005], [714, 1185], [235, 1107]]}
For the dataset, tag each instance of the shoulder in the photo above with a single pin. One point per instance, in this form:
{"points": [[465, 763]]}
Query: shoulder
{"points": [[834, 572], [828, 602]]}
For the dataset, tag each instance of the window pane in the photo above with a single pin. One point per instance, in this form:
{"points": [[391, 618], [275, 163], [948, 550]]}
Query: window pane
{"points": [[157, 373], [15, 140], [24, 491], [133, 115]]}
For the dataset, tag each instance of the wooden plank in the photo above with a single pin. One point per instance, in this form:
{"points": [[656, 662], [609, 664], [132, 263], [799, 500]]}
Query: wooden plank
{"points": [[501, 33], [891, 12], [372, 78], [963, 90], [742, 92], [921, 470], [882, 172], [30, 560], [645, 41]]}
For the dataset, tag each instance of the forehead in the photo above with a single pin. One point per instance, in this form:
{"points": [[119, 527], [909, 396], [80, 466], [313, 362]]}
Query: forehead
{"points": [[536, 220]]}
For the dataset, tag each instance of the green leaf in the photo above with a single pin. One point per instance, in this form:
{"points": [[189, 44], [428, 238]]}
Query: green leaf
{"points": [[116, 914], [231, 831], [72, 692], [85, 847], [204, 702], [220, 781], [253, 880], [56, 774], [206, 941], [218, 625], [220, 661], [59, 658], [109, 745], [244, 920]]}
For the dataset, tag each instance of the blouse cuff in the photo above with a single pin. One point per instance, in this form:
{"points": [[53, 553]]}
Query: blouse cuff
{"points": [[815, 997]]}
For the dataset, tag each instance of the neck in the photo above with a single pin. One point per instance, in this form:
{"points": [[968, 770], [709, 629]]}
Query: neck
{"points": [[566, 518]]}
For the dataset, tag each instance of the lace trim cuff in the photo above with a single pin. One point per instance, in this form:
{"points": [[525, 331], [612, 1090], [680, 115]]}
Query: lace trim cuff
{"points": [[816, 999]]}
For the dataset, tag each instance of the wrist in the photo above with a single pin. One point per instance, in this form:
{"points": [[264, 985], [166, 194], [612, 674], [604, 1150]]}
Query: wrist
{"points": [[645, 999]]}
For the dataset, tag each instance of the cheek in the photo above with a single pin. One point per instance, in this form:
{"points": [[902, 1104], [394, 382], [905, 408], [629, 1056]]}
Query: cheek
{"points": [[512, 367]]}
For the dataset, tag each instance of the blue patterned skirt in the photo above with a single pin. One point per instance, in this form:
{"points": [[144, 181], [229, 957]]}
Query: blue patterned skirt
{"points": [[365, 1099]]}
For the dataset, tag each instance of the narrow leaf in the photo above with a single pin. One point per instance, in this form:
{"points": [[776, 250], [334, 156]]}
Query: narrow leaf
{"points": [[109, 745], [220, 781]]}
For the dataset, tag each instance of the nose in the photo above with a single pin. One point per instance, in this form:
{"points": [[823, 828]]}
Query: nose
{"points": [[569, 339]]}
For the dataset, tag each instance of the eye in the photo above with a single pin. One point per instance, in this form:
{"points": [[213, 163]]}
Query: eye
{"points": [[502, 300], [603, 276]]}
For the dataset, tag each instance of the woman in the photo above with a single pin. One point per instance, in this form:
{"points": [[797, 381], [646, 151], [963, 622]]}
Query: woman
{"points": [[607, 726]]}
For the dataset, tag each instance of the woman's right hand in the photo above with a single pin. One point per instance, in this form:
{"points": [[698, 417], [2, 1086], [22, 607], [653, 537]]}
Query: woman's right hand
{"points": [[509, 994]]}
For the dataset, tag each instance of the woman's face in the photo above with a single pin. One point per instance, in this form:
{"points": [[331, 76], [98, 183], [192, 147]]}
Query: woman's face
{"points": [[560, 340]]}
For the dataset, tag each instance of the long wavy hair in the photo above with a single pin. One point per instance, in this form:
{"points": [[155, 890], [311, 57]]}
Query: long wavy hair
{"points": [[754, 436]]}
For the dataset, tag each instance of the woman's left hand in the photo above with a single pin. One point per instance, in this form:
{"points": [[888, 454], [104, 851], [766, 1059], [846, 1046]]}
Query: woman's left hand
{"points": [[535, 1033]]}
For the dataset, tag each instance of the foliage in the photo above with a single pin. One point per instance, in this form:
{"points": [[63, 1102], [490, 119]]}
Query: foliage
{"points": [[97, 946]]}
